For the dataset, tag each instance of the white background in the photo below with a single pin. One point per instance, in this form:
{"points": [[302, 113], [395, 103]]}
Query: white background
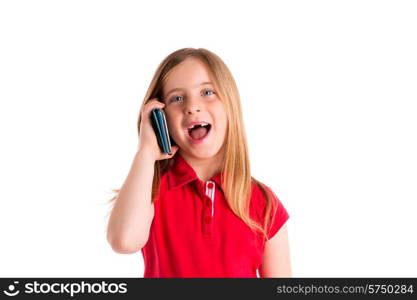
{"points": [[329, 97]]}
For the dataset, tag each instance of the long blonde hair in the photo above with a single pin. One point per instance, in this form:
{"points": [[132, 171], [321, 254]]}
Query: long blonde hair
{"points": [[237, 179]]}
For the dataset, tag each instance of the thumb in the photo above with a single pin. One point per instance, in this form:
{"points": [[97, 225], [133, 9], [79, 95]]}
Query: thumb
{"points": [[174, 150]]}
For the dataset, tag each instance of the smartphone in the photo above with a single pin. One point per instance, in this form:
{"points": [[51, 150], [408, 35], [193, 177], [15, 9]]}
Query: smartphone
{"points": [[160, 127]]}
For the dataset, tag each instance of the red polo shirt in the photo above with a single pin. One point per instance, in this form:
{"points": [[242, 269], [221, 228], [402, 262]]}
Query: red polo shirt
{"points": [[195, 234]]}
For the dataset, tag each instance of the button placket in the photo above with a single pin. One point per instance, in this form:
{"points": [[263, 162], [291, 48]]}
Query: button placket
{"points": [[210, 190], [209, 206]]}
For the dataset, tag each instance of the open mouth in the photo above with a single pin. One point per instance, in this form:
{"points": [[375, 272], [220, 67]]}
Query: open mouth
{"points": [[199, 131]]}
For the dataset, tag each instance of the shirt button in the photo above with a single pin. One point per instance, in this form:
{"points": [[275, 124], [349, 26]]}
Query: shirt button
{"points": [[207, 219], [208, 204], [210, 185]]}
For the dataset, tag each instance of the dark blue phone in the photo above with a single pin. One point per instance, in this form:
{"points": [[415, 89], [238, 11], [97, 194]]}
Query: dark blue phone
{"points": [[160, 127]]}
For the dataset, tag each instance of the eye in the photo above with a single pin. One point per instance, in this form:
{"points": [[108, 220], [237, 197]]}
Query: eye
{"points": [[173, 99], [213, 92]]}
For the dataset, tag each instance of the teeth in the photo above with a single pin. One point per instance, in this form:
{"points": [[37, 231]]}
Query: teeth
{"points": [[202, 124]]}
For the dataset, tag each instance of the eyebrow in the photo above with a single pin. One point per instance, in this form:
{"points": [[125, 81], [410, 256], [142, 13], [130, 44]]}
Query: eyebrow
{"points": [[178, 89]]}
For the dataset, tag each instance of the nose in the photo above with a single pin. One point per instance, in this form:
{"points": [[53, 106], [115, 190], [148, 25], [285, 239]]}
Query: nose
{"points": [[189, 110], [192, 107]]}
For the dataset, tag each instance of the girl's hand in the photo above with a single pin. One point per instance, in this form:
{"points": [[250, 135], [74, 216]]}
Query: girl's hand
{"points": [[147, 138]]}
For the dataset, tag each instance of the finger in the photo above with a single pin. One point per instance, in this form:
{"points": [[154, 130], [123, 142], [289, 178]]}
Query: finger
{"points": [[150, 106], [149, 102], [155, 101], [174, 149]]}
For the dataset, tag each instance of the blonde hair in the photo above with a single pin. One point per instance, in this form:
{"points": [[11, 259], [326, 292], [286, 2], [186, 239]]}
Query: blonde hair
{"points": [[237, 179]]}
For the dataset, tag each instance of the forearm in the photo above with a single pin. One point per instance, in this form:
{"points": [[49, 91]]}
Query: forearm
{"points": [[132, 213]]}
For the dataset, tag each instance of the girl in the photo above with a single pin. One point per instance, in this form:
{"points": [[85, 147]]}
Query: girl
{"points": [[198, 212]]}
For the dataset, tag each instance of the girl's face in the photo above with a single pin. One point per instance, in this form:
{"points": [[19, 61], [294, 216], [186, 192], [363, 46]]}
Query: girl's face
{"points": [[190, 99]]}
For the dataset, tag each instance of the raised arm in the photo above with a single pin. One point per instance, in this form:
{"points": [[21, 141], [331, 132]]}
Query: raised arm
{"points": [[133, 211]]}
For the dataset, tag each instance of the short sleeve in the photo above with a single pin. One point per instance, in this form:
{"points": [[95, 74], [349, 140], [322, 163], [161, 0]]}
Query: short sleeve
{"points": [[279, 218]]}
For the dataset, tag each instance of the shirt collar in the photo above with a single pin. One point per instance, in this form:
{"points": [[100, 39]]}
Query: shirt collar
{"points": [[182, 173]]}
